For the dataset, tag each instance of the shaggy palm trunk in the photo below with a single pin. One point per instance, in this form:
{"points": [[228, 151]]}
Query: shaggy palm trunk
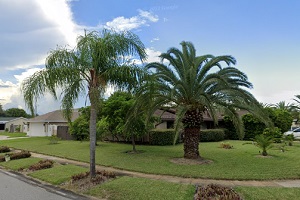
{"points": [[192, 122], [264, 153], [191, 143]]}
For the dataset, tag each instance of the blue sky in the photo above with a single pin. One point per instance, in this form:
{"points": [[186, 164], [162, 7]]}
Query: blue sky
{"points": [[263, 35]]}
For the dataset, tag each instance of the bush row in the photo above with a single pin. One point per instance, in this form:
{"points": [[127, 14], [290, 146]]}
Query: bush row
{"points": [[212, 135], [162, 137], [166, 136]]}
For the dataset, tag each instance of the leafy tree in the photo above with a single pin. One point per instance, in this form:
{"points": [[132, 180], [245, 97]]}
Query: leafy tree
{"points": [[194, 85], [2, 113], [116, 110], [80, 128], [99, 59], [16, 112]]}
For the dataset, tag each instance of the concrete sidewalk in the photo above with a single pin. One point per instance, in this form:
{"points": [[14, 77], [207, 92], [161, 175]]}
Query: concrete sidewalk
{"points": [[175, 179]]}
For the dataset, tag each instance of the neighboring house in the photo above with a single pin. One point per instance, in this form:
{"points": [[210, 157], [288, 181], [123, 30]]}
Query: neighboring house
{"points": [[46, 125], [3, 121], [167, 119], [17, 123]]}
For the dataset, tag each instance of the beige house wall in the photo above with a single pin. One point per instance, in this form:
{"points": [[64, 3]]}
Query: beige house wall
{"points": [[19, 122]]}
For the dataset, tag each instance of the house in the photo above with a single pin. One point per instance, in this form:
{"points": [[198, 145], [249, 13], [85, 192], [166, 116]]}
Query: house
{"points": [[3, 121], [167, 119], [18, 124], [47, 124]]}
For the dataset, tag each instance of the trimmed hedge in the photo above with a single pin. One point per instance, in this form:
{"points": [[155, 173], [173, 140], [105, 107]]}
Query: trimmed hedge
{"points": [[212, 135], [162, 137]]}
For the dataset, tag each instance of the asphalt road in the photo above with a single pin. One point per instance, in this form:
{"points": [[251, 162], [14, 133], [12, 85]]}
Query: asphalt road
{"points": [[18, 187]]}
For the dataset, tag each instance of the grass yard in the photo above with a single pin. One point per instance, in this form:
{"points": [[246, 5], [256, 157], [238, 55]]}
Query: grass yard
{"points": [[266, 193], [124, 188], [242, 162], [12, 135], [20, 163], [58, 174]]}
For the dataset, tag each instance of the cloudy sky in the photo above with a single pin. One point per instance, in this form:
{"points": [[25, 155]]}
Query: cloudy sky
{"points": [[263, 35]]}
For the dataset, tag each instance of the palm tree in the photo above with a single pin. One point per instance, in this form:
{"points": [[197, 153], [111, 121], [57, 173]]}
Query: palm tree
{"points": [[98, 59], [264, 142], [194, 85], [290, 107]]}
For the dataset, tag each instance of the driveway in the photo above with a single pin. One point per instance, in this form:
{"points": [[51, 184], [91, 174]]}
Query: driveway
{"points": [[17, 187]]}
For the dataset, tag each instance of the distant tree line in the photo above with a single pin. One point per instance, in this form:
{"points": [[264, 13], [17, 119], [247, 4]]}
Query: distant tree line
{"points": [[13, 112]]}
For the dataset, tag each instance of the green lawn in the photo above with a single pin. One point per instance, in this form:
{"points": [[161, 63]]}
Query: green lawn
{"points": [[20, 163], [12, 135], [58, 174], [124, 188], [240, 163], [267, 193]]}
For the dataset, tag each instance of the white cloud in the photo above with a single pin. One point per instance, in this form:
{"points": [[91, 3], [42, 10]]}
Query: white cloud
{"points": [[135, 22], [29, 29], [148, 15], [154, 39]]}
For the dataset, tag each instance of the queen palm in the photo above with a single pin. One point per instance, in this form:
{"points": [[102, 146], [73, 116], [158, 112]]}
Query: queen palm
{"points": [[98, 59], [195, 85]]}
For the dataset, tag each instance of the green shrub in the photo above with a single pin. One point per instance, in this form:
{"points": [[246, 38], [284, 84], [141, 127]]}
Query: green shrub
{"points": [[215, 192], [54, 139], [212, 135], [253, 126], [275, 133], [162, 137], [230, 131], [4, 149]]}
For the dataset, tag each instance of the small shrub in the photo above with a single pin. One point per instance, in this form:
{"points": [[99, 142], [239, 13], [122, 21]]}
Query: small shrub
{"points": [[43, 164], [4, 149], [212, 135], [53, 139], [226, 146], [289, 139], [162, 137], [216, 192], [6, 129]]}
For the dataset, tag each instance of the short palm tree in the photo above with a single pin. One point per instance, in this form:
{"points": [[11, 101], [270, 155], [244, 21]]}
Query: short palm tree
{"points": [[98, 59], [194, 85], [264, 142]]}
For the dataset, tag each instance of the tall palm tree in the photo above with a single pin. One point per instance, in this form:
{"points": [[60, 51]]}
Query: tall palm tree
{"points": [[98, 59], [194, 85]]}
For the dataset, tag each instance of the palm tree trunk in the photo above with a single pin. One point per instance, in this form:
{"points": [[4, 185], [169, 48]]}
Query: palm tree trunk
{"points": [[191, 143], [93, 118]]}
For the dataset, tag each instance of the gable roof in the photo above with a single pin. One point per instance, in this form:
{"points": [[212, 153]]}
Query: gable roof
{"points": [[55, 116], [3, 120], [25, 119]]}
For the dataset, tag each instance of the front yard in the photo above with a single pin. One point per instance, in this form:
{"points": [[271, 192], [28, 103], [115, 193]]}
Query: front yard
{"points": [[240, 163]]}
